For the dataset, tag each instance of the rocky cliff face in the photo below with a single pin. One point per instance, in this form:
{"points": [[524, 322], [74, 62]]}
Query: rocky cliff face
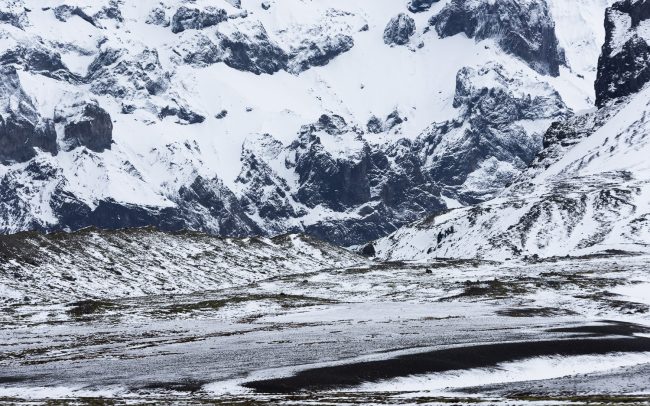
{"points": [[470, 158], [343, 120], [22, 129], [482, 151], [523, 28], [623, 65], [90, 126]]}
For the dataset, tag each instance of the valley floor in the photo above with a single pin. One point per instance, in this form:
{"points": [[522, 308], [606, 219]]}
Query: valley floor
{"points": [[541, 332]]}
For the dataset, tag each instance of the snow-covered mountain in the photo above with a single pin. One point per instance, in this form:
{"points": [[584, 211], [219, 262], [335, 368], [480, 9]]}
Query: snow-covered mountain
{"points": [[588, 191], [342, 119]]}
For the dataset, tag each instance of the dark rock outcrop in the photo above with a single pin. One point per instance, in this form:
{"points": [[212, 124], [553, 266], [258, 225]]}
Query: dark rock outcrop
{"points": [[22, 129], [522, 28], [124, 75], [385, 188], [488, 139], [417, 6], [208, 205], [393, 120], [249, 48], [252, 50], [38, 59], [17, 19], [110, 12], [624, 64], [399, 30], [35, 59], [19, 137], [376, 125], [318, 52], [368, 250], [326, 180], [158, 16], [90, 127], [184, 114], [195, 19], [64, 12], [201, 50], [264, 192]]}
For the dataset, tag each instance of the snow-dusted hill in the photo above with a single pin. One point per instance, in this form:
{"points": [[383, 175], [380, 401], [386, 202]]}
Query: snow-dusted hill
{"points": [[342, 119], [588, 191], [91, 263]]}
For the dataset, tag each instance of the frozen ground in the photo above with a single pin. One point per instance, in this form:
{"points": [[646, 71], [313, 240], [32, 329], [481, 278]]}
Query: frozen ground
{"points": [[376, 333]]}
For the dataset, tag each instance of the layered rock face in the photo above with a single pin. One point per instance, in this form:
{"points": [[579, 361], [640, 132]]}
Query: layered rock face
{"points": [[623, 64], [522, 28]]}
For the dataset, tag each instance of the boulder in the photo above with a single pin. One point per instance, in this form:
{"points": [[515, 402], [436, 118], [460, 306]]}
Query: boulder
{"points": [[399, 30]]}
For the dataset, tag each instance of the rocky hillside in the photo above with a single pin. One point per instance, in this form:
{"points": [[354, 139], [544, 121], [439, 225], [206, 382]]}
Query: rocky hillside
{"points": [[90, 263], [341, 119], [588, 191]]}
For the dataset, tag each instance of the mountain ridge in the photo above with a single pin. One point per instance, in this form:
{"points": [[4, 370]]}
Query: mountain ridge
{"points": [[186, 85]]}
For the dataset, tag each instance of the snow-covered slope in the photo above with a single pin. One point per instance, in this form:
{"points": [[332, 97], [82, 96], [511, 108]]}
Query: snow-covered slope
{"points": [[91, 263], [589, 189], [259, 118]]}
